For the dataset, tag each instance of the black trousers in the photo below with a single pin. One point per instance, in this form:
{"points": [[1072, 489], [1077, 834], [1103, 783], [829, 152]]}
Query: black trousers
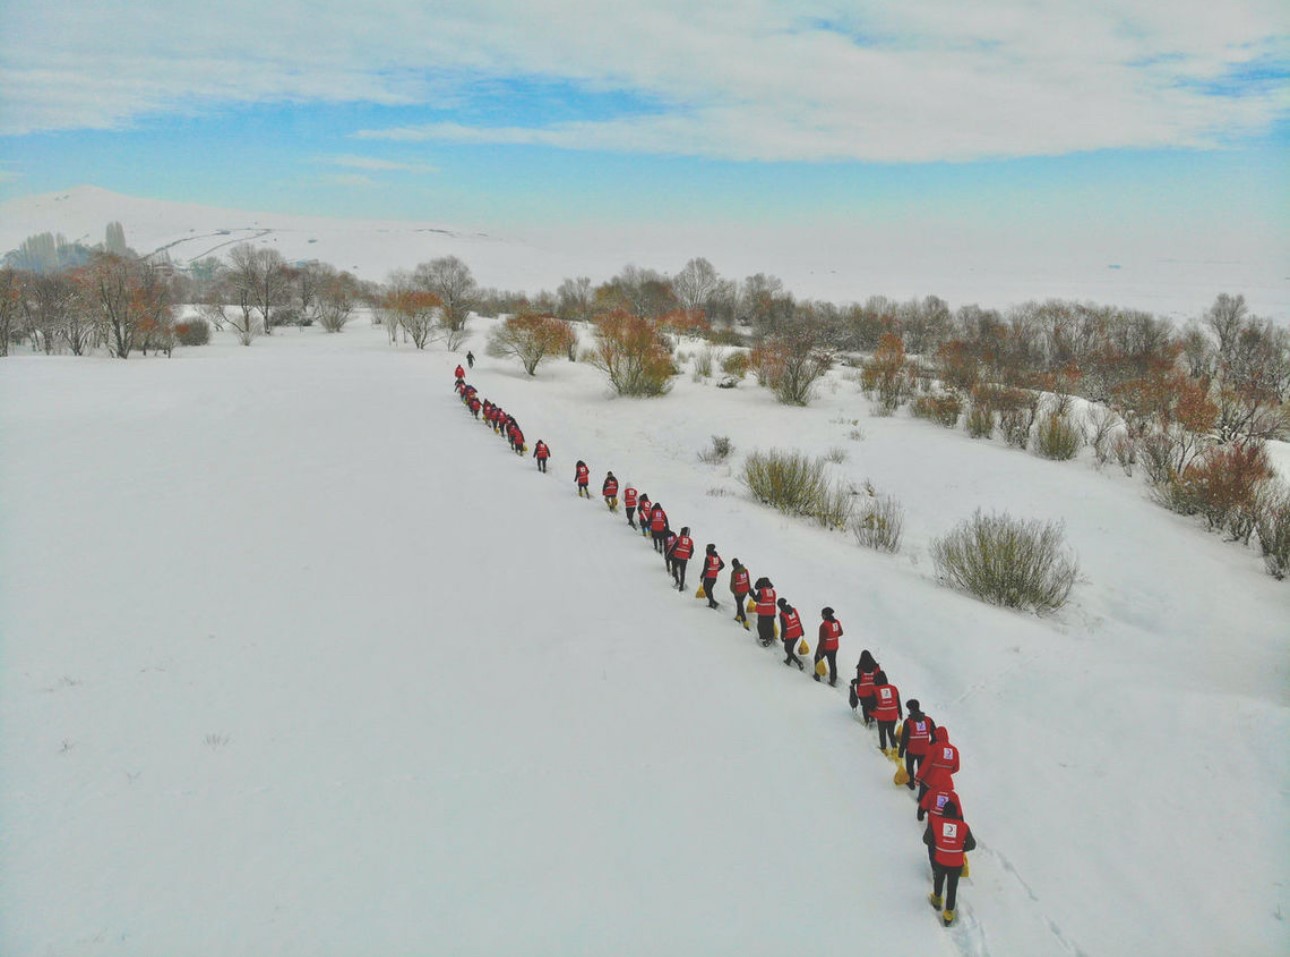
{"points": [[583, 490], [947, 878], [790, 652], [678, 571], [541, 465], [765, 629], [708, 585], [741, 611], [660, 544], [912, 763], [887, 734], [631, 513]]}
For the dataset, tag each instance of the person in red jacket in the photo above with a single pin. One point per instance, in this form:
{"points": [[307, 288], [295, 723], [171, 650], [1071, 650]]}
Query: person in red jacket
{"points": [[541, 452], [669, 541], [827, 645], [766, 608], [658, 526], [643, 512], [460, 373], [629, 503], [886, 711], [915, 739], [610, 492], [933, 801], [949, 838], [940, 765], [862, 686], [474, 406], [682, 550], [739, 587], [517, 439], [790, 632], [582, 478], [712, 565]]}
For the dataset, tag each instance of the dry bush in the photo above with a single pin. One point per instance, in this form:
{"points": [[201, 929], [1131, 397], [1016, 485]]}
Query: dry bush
{"points": [[1224, 485], [1007, 561], [790, 481], [944, 408], [1099, 427], [878, 522], [735, 364], [703, 361], [980, 421], [1125, 450], [835, 507], [884, 377], [193, 332], [720, 450], [837, 455], [632, 354], [530, 337], [1273, 527], [1057, 438]]}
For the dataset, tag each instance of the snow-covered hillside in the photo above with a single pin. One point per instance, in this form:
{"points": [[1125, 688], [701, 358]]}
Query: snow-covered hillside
{"points": [[300, 659], [845, 262]]}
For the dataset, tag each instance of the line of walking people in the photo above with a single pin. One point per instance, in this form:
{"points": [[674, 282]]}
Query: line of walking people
{"points": [[926, 760]]}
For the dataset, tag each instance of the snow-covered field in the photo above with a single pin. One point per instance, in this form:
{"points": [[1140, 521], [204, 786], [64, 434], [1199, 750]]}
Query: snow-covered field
{"points": [[838, 262], [300, 659]]}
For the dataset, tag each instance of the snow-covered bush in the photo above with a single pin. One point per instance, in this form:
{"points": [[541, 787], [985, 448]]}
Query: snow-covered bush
{"points": [[1007, 561], [718, 451], [980, 421], [1057, 438], [1273, 527], [878, 522], [1099, 427], [735, 364]]}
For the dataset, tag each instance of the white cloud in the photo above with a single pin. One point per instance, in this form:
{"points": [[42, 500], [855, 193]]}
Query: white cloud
{"points": [[759, 79], [376, 164], [348, 179]]}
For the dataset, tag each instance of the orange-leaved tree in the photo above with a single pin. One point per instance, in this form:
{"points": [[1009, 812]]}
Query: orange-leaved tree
{"points": [[531, 337], [630, 351]]}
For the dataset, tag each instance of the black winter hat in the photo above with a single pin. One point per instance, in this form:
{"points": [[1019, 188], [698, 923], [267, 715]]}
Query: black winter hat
{"points": [[782, 603], [711, 547], [913, 706], [826, 613]]}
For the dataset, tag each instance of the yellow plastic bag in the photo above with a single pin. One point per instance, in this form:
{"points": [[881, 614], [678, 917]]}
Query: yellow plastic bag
{"points": [[902, 778], [821, 667], [752, 605], [965, 872], [803, 648], [700, 593]]}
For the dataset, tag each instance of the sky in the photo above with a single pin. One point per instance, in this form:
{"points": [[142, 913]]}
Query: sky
{"points": [[1040, 116]]}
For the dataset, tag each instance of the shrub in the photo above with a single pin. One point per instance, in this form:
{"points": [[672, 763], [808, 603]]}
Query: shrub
{"points": [[631, 353], [1007, 561], [735, 364], [1157, 451], [1125, 450], [835, 507], [703, 363], [193, 332], [878, 522], [718, 452], [1099, 426], [944, 408], [884, 376], [980, 421], [1223, 486], [1057, 438], [837, 455], [1273, 527], [789, 481], [530, 337]]}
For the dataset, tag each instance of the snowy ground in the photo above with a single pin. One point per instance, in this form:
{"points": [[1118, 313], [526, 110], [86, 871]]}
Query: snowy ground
{"points": [[299, 659]]}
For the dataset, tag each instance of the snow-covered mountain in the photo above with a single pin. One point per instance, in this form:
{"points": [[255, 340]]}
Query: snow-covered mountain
{"points": [[300, 659], [839, 262]]}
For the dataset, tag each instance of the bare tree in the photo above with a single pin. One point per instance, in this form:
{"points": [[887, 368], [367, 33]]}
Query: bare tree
{"points": [[530, 337], [133, 301], [50, 306], [260, 279], [695, 284], [10, 306], [336, 297], [574, 299], [1225, 319], [450, 279]]}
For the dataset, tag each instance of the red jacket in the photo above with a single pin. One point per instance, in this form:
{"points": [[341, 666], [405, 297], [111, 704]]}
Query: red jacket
{"points": [[683, 548], [949, 835], [517, 436], [657, 519], [610, 488], [920, 735], [886, 703], [739, 581], [830, 632], [790, 625], [712, 565], [941, 764], [766, 602], [934, 800], [460, 373], [583, 475], [629, 497], [541, 451], [864, 684]]}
